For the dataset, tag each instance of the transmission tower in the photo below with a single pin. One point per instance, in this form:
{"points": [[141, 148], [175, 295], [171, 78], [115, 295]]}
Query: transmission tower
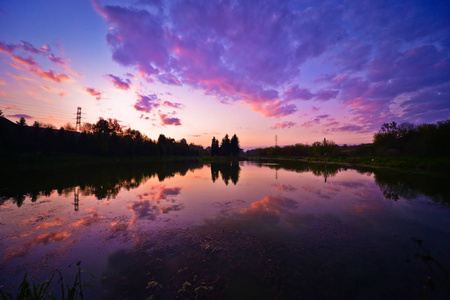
{"points": [[78, 124], [276, 141]]}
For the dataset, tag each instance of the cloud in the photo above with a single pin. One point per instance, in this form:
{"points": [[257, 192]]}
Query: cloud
{"points": [[146, 103], [51, 75], [283, 125], [325, 95], [31, 49], [233, 51], [172, 104], [118, 82], [93, 92], [32, 65], [27, 62], [169, 121], [253, 52], [20, 116], [294, 93], [56, 59], [7, 48], [7, 106]]}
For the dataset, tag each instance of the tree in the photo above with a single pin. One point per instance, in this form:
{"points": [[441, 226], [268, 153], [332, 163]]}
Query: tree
{"points": [[69, 127], [1, 114], [110, 126], [22, 122], [214, 147], [225, 146], [234, 146]]}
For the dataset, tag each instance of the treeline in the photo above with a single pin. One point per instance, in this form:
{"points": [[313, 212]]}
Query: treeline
{"points": [[227, 147], [391, 140], [325, 148], [410, 139], [105, 137]]}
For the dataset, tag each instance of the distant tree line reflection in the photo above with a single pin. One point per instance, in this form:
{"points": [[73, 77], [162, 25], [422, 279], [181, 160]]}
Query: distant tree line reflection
{"points": [[102, 181], [392, 183], [105, 181], [228, 170]]}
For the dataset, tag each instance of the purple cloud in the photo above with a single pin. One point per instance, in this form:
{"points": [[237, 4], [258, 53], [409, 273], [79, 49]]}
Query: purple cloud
{"points": [[7, 48], [30, 48], [230, 50], [169, 121], [325, 95], [294, 93], [173, 104], [20, 116], [146, 103], [56, 59], [118, 82], [283, 125], [254, 52]]}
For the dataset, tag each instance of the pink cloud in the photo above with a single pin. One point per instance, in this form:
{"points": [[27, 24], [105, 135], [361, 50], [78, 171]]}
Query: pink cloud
{"points": [[283, 125], [27, 62], [169, 121], [51, 75], [7, 48], [3, 94], [93, 92], [7, 106], [276, 108], [118, 82]]}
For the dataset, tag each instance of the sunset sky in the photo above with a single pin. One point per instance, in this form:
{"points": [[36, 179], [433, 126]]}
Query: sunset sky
{"points": [[301, 70]]}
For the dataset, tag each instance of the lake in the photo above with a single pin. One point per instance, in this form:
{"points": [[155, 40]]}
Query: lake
{"points": [[248, 230]]}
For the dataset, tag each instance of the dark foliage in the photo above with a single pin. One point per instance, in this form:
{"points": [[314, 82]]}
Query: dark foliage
{"points": [[227, 147], [105, 137], [410, 139]]}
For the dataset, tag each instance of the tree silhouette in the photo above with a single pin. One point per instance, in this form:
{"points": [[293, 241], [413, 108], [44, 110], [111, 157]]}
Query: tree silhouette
{"points": [[234, 146], [22, 122], [215, 147], [225, 146]]}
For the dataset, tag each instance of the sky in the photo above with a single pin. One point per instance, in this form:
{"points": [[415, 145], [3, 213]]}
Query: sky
{"points": [[298, 70]]}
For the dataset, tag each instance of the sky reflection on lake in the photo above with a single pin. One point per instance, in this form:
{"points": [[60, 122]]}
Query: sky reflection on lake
{"points": [[348, 231]]}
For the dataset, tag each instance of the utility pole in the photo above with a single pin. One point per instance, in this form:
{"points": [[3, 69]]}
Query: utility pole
{"points": [[276, 141], [78, 123]]}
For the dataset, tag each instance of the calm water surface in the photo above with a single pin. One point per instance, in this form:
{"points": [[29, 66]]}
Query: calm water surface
{"points": [[232, 231]]}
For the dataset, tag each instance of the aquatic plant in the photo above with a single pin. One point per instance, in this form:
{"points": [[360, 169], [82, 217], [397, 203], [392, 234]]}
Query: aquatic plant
{"points": [[43, 290]]}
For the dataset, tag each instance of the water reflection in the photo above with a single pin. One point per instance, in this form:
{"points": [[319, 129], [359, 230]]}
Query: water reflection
{"points": [[393, 183], [169, 229], [150, 205], [102, 181], [228, 170]]}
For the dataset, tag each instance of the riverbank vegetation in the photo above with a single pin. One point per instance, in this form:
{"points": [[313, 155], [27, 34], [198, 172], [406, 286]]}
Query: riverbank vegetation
{"points": [[425, 146], [105, 138]]}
